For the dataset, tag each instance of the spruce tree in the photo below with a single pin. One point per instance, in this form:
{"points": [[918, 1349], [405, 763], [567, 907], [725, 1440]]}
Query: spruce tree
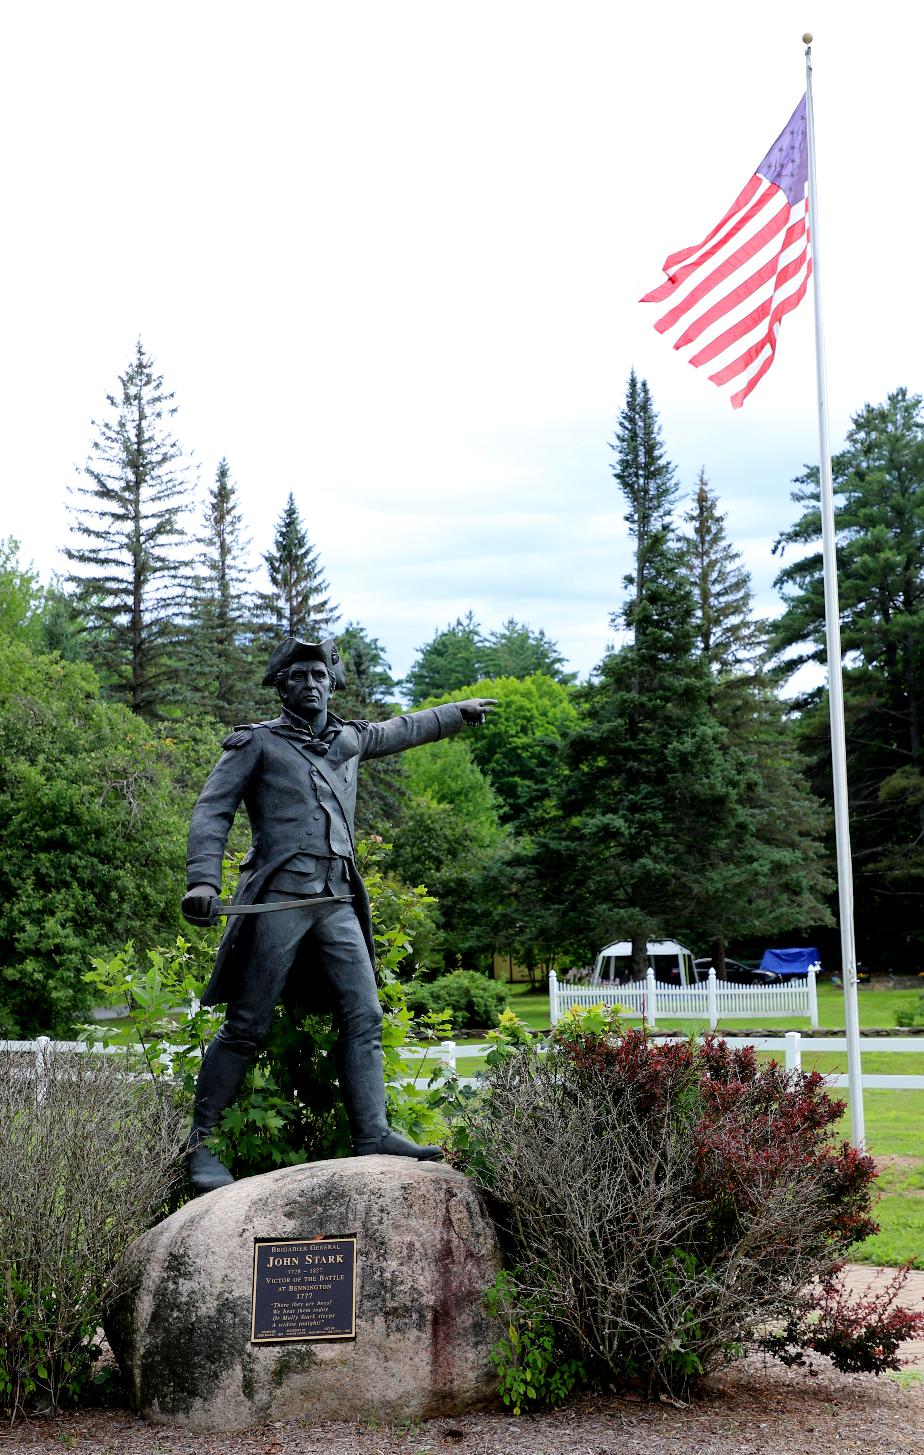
{"points": [[647, 480], [298, 605], [729, 638], [224, 670], [647, 770], [130, 523], [662, 828]]}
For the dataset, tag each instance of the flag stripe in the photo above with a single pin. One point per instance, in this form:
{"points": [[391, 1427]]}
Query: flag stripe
{"points": [[739, 329], [739, 257], [739, 204], [786, 305], [728, 294], [680, 274]]}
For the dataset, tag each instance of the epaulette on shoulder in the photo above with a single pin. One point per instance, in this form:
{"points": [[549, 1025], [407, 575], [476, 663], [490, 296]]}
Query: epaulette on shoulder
{"points": [[240, 737]]}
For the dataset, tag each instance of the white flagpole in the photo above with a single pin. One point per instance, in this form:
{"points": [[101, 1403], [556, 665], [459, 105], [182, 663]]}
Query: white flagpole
{"points": [[835, 674]]}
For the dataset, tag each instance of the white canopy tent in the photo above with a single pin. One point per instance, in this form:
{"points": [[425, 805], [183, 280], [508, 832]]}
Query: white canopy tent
{"points": [[670, 961]]}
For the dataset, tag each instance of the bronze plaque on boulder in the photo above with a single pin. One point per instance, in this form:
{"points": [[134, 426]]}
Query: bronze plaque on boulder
{"points": [[304, 1288]]}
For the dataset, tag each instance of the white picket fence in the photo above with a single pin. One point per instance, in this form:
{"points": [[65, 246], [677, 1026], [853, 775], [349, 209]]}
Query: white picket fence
{"points": [[447, 1054], [711, 1000]]}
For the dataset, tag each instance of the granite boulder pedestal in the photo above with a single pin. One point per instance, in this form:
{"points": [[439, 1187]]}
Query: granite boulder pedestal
{"points": [[179, 1316]]}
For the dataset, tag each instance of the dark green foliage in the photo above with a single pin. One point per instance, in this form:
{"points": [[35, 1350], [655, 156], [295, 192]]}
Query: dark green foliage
{"points": [[130, 521], [650, 781], [517, 651], [879, 485], [446, 663], [462, 654], [646, 478], [225, 667], [92, 833], [298, 605], [676, 808], [368, 670], [728, 636], [473, 1001]]}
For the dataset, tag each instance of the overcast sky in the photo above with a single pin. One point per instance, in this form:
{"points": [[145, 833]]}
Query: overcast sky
{"points": [[388, 257]]}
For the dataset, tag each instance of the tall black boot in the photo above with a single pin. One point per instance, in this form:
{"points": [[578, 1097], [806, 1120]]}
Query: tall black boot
{"points": [[221, 1076], [362, 1086]]}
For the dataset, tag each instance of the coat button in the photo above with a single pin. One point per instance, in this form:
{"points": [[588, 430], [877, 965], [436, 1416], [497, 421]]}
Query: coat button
{"points": [[316, 815]]}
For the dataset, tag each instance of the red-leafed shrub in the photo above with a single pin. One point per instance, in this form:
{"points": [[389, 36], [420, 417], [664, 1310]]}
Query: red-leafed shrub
{"points": [[859, 1334], [662, 1202]]}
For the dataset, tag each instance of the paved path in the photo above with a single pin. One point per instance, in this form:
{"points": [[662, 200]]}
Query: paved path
{"points": [[860, 1276]]}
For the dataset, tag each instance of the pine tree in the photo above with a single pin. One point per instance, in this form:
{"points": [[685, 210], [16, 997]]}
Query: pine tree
{"points": [[224, 670], [298, 605], [130, 522], [879, 486]]}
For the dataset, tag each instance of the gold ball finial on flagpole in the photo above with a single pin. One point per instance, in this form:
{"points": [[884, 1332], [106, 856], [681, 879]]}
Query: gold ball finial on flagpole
{"points": [[807, 38]]}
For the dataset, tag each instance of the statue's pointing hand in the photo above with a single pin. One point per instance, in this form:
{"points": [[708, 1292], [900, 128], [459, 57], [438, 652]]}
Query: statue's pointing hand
{"points": [[198, 905], [476, 709]]}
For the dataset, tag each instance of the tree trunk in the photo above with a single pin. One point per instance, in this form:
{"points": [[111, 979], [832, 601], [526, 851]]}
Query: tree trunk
{"points": [[639, 954], [717, 951]]}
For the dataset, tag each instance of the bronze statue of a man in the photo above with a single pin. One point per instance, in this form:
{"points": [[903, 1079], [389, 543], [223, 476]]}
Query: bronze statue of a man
{"points": [[296, 776]]}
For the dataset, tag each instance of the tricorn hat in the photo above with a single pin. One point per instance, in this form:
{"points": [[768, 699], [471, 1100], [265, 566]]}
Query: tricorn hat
{"points": [[293, 650]]}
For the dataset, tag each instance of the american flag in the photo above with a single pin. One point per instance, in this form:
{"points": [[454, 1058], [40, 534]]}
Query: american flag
{"points": [[728, 294]]}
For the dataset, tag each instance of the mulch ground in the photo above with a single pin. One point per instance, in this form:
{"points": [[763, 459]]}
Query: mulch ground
{"points": [[752, 1409], [755, 1407]]}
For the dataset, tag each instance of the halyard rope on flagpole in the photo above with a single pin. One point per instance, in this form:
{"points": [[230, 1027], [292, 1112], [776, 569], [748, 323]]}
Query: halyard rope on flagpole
{"points": [[835, 670]]}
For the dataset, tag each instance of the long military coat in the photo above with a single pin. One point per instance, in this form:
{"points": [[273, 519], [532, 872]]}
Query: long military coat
{"points": [[273, 769]]}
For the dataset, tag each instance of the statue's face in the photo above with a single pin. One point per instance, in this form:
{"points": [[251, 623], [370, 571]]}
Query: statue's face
{"points": [[307, 689]]}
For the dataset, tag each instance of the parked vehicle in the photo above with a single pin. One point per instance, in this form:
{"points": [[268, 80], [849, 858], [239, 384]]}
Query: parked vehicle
{"points": [[671, 962], [738, 974]]}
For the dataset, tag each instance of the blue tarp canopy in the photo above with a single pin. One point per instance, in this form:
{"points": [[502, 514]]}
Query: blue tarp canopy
{"points": [[791, 962]]}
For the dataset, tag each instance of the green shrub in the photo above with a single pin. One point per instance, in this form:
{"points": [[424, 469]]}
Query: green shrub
{"points": [[529, 1370], [87, 1157], [473, 1001], [911, 1015]]}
